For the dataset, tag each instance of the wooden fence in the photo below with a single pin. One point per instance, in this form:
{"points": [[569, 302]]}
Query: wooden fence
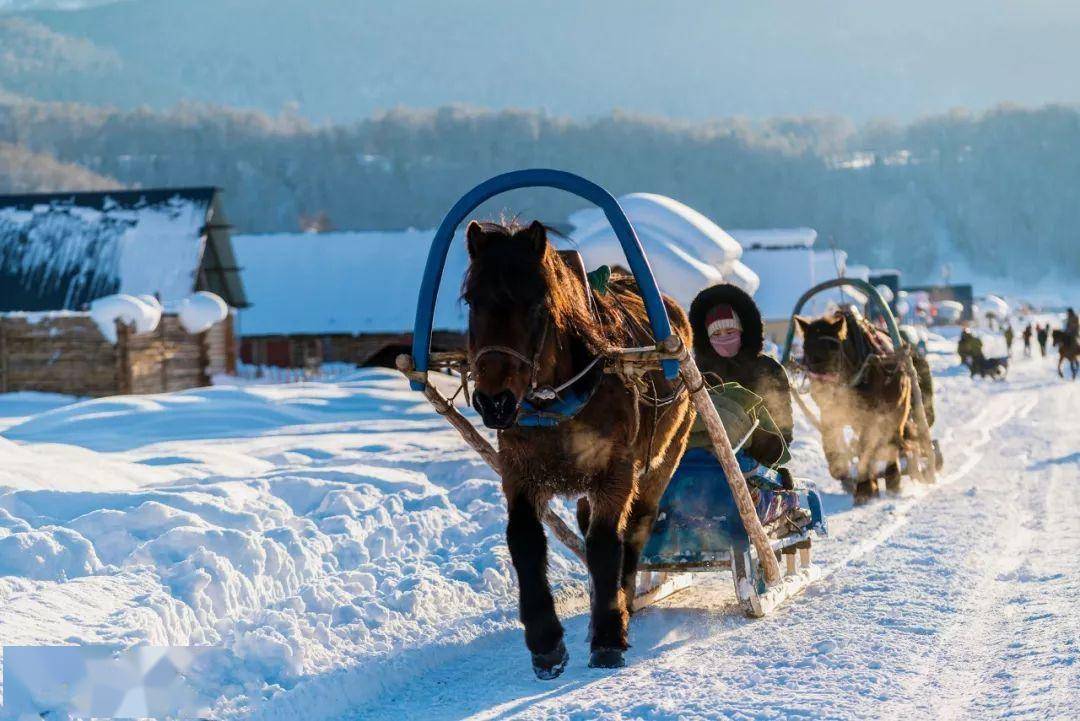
{"points": [[66, 353]]}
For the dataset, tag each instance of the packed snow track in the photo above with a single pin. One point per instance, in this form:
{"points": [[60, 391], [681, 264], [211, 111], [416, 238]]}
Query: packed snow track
{"points": [[344, 550]]}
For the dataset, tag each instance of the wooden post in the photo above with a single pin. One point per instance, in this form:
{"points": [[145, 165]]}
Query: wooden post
{"points": [[164, 353], [124, 371], [722, 444], [481, 445], [3, 356], [204, 356], [230, 343]]}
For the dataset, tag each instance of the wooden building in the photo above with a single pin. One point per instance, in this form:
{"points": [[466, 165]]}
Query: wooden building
{"points": [[60, 252], [343, 297]]}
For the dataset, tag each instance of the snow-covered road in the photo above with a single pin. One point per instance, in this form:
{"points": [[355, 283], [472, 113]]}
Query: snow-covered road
{"points": [[346, 554]]}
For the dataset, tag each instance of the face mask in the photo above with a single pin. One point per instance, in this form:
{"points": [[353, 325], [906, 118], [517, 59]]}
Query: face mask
{"points": [[727, 344]]}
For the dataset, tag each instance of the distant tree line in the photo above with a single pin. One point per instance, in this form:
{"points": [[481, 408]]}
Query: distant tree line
{"points": [[998, 190]]}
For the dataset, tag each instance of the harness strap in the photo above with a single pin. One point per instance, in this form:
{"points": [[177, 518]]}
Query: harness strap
{"points": [[550, 394], [505, 350]]}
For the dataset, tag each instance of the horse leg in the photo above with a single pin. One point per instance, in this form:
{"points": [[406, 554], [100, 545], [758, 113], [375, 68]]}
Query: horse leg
{"points": [[892, 470], [528, 552], [638, 527], [837, 454], [604, 553], [869, 453], [582, 515]]}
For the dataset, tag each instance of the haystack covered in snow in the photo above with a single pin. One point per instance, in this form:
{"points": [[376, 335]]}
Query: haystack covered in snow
{"points": [[116, 292], [688, 252], [344, 296]]}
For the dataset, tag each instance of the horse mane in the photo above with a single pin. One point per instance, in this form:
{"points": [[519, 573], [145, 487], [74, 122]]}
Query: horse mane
{"points": [[507, 273]]}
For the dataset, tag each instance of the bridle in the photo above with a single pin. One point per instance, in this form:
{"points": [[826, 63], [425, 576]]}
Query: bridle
{"points": [[532, 409], [854, 371]]}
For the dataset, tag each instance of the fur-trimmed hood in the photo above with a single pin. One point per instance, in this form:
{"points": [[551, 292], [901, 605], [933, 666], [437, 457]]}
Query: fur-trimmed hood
{"points": [[753, 329]]}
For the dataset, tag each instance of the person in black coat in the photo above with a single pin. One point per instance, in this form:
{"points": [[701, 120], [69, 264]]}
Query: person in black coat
{"points": [[729, 340], [1042, 334]]}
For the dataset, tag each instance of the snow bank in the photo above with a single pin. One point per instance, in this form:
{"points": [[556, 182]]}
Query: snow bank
{"points": [[300, 529], [142, 316]]}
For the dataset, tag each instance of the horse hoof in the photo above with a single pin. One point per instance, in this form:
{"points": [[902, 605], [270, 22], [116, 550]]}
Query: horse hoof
{"points": [[550, 665], [607, 658]]}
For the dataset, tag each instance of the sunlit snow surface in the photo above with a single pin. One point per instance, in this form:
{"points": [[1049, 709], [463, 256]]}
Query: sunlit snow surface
{"points": [[346, 554]]}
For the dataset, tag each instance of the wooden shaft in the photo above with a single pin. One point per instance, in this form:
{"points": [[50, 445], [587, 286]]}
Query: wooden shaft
{"points": [[929, 469], [478, 443], [722, 444]]}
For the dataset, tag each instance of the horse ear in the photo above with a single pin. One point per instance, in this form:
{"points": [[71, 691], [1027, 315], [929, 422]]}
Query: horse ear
{"points": [[474, 238], [537, 235], [802, 323], [840, 326]]}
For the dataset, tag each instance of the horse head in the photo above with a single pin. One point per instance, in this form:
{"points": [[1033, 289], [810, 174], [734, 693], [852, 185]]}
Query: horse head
{"points": [[523, 302], [823, 345]]}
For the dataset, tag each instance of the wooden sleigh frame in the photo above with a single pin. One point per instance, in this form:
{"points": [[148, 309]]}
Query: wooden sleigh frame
{"points": [[760, 584], [925, 468]]}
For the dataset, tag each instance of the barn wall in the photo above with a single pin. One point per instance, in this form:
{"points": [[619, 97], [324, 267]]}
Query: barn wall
{"points": [[57, 354], [308, 351], [222, 350], [67, 354]]}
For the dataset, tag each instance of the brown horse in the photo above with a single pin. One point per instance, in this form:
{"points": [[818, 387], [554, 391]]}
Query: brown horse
{"points": [[534, 325], [1068, 349], [856, 384]]}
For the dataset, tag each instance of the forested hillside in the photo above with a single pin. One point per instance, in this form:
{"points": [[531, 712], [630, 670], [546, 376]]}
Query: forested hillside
{"points": [[998, 190], [22, 171]]}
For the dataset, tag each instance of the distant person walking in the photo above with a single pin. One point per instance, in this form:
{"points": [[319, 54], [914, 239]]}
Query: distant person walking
{"points": [[1009, 337], [1042, 334], [1027, 340]]}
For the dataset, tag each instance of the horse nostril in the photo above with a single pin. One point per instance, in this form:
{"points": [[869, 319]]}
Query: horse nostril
{"points": [[498, 411]]}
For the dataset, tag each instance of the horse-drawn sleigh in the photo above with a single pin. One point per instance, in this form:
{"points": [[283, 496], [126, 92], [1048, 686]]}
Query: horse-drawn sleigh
{"points": [[592, 389], [869, 383]]}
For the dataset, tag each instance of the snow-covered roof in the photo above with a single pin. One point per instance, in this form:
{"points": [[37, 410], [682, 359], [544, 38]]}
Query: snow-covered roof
{"points": [[61, 251], [688, 252], [774, 238], [348, 282], [785, 276]]}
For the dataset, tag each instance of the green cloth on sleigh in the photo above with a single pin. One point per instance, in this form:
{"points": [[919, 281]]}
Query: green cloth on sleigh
{"points": [[739, 409]]}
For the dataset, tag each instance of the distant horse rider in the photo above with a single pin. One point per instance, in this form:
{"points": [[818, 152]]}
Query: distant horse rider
{"points": [[1027, 340], [1009, 336], [1042, 334], [1072, 327]]}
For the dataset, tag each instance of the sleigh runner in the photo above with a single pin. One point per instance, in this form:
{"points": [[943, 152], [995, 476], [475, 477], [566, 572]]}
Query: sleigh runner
{"points": [[710, 517]]}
